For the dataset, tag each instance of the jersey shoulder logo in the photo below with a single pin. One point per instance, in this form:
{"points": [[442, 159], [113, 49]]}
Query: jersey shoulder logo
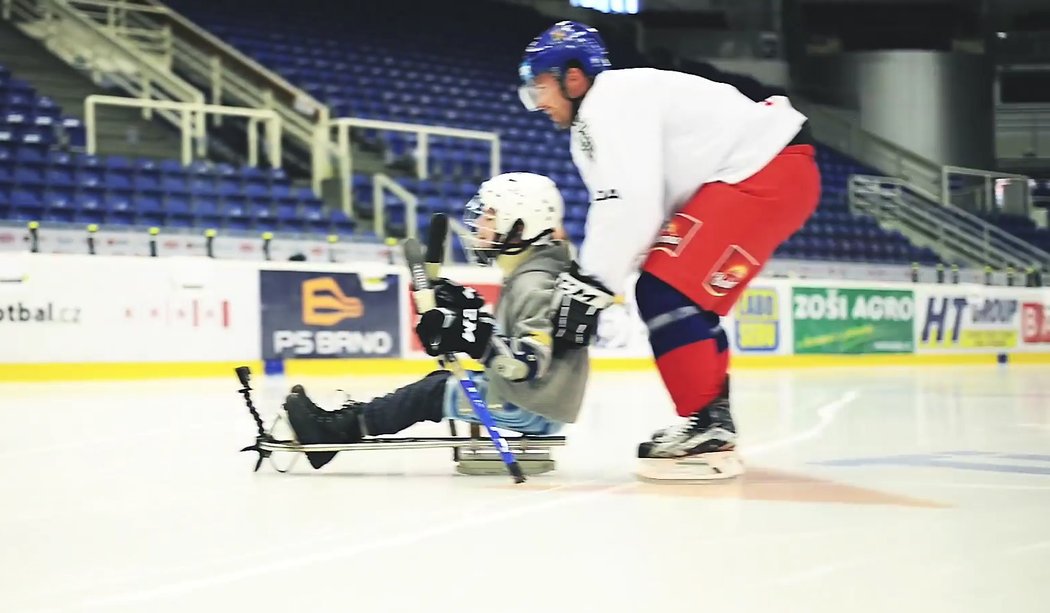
{"points": [[581, 134]]}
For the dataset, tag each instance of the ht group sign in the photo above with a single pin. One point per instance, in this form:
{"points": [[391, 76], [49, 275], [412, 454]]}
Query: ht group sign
{"points": [[969, 321], [329, 315]]}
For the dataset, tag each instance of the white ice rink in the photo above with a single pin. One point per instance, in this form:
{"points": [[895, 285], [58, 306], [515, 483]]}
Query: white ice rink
{"points": [[905, 489]]}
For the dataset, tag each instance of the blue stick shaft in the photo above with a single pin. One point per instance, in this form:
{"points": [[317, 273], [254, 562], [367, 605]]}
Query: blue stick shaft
{"points": [[482, 411], [416, 265]]}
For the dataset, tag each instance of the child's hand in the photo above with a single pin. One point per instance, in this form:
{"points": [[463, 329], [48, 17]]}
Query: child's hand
{"points": [[451, 295], [443, 330]]}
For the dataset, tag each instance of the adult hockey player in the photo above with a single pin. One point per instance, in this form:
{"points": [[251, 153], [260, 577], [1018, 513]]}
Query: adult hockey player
{"points": [[696, 185], [512, 218]]}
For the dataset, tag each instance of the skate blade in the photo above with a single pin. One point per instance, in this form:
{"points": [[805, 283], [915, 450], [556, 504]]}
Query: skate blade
{"points": [[704, 468]]}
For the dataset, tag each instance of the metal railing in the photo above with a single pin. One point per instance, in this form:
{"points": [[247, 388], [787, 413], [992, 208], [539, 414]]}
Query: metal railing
{"points": [[978, 192], [57, 21], [123, 18], [839, 132], [344, 152], [925, 177], [227, 74], [193, 125], [950, 231], [382, 183], [172, 42], [20, 10]]}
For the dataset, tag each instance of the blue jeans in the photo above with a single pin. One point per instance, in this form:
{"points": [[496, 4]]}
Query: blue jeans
{"points": [[507, 416]]}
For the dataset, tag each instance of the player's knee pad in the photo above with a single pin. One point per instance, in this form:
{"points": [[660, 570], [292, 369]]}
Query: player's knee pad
{"points": [[673, 319]]}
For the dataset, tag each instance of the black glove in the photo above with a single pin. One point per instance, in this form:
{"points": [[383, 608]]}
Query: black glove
{"points": [[453, 296], [578, 301], [444, 331]]}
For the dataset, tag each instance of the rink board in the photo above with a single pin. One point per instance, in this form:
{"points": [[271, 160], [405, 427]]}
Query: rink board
{"points": [[110, 317]]}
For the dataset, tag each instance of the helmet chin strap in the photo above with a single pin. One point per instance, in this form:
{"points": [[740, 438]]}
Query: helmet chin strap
{"points": [[510, 258], [507, 249]]}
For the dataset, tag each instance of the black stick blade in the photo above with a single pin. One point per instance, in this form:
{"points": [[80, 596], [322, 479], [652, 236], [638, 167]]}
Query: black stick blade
{"points": [[436, 238]]}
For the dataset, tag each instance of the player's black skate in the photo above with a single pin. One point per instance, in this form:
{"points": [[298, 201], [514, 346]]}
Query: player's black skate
{"points": [[313, 425], [702, 448]]}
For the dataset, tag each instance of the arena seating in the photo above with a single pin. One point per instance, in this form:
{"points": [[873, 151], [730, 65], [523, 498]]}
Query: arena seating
{"points": [[451, 64], [42, 179], [1023, 228], [456, 67]]}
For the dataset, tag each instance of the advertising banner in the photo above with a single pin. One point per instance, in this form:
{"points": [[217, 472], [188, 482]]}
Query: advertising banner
{"points": [[831, 320], [1035, 323], [329, 315], [756, 321], [68, 308], [972, 320]]}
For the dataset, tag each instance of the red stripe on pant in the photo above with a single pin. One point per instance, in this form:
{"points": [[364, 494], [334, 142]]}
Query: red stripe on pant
{"points": [[694, 374]]}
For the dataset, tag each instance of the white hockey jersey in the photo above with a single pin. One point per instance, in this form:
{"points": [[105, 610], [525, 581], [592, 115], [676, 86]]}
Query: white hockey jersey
{"points": [[645, 140]]}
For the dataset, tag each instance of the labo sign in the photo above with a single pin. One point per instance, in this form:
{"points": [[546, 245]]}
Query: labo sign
{"points": [[326, 315]]}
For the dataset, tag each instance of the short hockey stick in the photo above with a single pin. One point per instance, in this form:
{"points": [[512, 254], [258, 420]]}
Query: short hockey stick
{"points": [[423, 296]]}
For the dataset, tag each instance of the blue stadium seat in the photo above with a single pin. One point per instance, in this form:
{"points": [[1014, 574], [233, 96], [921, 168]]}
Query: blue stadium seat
{"points": [[147, 182], [118, 179], [30, 154], [341, 224], [60, 176], [149, 210], [287, 215], [177, 212], [119, 209], [89, 209], [206, 214], [86, 178]]}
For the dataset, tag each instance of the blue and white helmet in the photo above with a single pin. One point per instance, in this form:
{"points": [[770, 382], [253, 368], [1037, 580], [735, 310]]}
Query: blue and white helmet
{"points": [[554, 49]]}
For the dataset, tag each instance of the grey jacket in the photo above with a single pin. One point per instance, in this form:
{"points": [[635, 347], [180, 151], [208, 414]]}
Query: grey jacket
{"points": [[524, 310]]}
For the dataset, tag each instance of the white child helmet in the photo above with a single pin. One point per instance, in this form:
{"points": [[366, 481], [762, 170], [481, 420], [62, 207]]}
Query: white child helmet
{"points": [[521, 208]]}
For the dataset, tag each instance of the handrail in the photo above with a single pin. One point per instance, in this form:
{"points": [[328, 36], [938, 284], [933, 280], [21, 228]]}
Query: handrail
{"points": [[915, 205], [305, 118], [227, 74], [996, 231], [151, 82], [345, 155], [933, 228], [126, 18], [122, 4], [192, 124], [380, 182], [259, 75], [1007, 248], [987, 187]]}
